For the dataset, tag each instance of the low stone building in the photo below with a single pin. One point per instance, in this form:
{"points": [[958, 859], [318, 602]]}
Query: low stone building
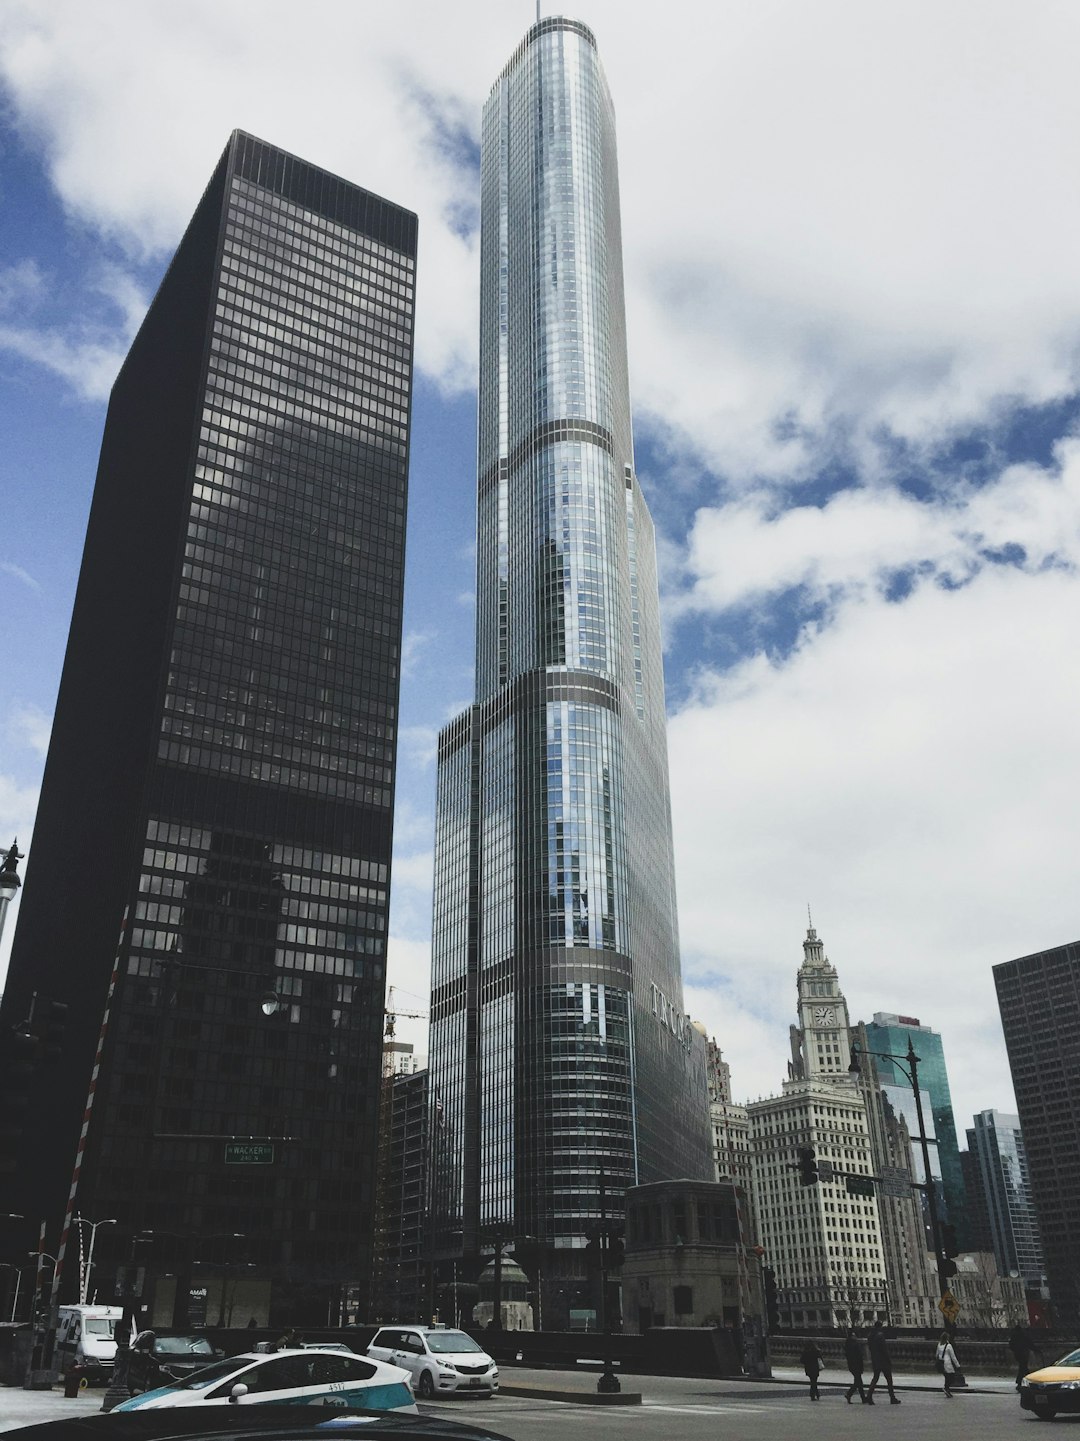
{"points": [[685, 1264]]}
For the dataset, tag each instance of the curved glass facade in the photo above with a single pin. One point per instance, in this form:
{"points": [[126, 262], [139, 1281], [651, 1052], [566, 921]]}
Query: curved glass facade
{"points": [[562, 1061]]}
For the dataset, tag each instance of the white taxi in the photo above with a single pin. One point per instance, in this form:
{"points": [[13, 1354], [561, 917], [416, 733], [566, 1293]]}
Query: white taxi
{"points": [[439, 1360], [295, 1377]]}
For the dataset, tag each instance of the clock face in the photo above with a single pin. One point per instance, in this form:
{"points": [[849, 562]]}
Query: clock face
{"points": [[825, 1015]]}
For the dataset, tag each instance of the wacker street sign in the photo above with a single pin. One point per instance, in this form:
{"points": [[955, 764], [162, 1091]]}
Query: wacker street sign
{"points": [[249, 1153]]}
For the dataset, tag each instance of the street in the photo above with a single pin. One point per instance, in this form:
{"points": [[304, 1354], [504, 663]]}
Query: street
{"points": [[677, 1409]]}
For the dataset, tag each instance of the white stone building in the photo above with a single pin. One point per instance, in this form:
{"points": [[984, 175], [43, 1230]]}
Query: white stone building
{"points": [[822, 1243]]}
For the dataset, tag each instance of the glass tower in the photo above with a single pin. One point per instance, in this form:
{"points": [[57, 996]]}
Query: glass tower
{"points": [[1039, 1001], [220, 782], [890, 1033], [563, 1065], [998, 1145]]}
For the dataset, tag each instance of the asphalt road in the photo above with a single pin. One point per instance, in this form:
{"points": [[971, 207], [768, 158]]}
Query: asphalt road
{"points": [[682, 1409]]}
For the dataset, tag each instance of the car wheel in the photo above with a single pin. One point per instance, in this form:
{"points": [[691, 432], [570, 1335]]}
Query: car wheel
{"points": [[425, 1387]]}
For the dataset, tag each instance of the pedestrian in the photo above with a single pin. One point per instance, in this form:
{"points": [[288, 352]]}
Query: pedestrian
{"points": [[810, 1361], [881, 1362], [855, 1357], [946, 1361], [1021, 1345]]}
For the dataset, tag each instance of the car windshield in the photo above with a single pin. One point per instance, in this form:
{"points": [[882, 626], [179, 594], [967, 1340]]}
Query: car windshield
{"points": [[183, 1346], [99, 1326], [1072, 1359], [443, 1343], [207, 1375]]}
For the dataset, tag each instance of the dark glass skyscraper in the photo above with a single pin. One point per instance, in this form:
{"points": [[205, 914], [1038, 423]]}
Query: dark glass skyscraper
{"points": [[1039, 1000], [997, 1143], [217, 804], [561, 1057]]}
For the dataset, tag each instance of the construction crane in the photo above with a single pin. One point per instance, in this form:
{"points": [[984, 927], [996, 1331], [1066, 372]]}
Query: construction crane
{"points": [[392, 1048]]}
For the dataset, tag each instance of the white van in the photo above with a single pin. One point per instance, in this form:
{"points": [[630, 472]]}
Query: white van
{"points": [[85, 1336]]}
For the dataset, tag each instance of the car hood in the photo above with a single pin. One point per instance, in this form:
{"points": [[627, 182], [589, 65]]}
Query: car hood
{"points": [[1054, 1373]]}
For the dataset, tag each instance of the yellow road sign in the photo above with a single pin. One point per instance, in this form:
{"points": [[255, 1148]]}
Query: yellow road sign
{"points": [[949, 1307]]}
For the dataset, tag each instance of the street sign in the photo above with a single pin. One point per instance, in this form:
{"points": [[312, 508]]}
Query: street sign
{"points": [[249, 1153], [826, 1171], [859, 1185], [949, 1307], [895, 1182]]}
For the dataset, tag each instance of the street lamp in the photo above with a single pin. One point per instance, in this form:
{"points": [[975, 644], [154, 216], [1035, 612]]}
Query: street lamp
{"points": [[84, 1269], [9, 880], [909, 1066]]}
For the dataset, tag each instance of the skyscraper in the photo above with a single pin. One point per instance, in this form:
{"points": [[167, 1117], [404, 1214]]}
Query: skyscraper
{"points": [[1039, 1000], [822, 1238], [561, 1057], [216, 811], [997, 1143], [887, 1032]]}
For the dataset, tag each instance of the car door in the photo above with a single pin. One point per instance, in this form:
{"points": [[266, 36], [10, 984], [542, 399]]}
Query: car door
{"points": [[278, 1379]]}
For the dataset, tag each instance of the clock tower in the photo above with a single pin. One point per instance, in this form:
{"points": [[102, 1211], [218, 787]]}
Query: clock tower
{"points": [[820, 1043]]}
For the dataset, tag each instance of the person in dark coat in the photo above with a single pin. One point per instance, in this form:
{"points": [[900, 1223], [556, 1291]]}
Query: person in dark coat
{"points": [[810, 1361], [1020, 1344], [882, 1364], [855, 1357]]}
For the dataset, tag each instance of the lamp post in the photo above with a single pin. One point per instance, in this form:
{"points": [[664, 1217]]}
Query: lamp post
{"points": [[909, 1067], [9, 880], [84, 1269]]}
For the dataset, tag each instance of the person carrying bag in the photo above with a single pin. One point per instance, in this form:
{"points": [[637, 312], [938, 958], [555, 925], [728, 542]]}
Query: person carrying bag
{"points": [[947, 1364]]}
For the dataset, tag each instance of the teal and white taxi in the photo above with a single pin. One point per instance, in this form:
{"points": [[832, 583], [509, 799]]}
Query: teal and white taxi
{"points": [[307, 1377]]}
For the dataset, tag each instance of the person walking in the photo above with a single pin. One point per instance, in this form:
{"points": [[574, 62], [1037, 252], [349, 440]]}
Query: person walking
{"points": [[947, 1363], [810, 1361], [881, 1362], [1021, 1345], [855, 1357]]}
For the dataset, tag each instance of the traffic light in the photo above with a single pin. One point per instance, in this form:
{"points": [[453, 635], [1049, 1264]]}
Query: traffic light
{"points": [[948, 1266], [772, 1309], [592, 1253], [949, 1244], [616, 1249], [51, 1028], [808, 1171], [19, 1051]]}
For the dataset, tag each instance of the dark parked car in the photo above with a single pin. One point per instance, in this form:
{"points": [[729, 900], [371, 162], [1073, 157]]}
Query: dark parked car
{"points": [[160, 1360]]}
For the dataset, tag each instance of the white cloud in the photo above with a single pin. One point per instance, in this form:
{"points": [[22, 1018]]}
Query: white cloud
{"points": [[837, 219], [906, 772], [30, 726], [753, 547], [10, 568]]}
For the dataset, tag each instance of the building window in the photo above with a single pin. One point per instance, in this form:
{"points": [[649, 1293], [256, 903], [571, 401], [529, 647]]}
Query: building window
{"points": [[684, 1300]]}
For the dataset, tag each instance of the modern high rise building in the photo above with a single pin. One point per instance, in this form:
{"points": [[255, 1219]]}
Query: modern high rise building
{"points": [[998, 1145], [561, 1054], [1039, 1000], [209, 879], [890, 1033]]}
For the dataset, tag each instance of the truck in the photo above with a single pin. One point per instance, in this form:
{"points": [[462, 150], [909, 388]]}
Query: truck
{"points": [[86, 1338]]}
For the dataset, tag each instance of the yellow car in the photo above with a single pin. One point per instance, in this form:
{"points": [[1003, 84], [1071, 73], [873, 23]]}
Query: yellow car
{"points": [[1053, 1388]]}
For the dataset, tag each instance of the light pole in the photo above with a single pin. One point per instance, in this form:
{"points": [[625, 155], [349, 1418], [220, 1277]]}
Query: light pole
{"points": [[909, 1066], [9, 880], [84, 1269]]}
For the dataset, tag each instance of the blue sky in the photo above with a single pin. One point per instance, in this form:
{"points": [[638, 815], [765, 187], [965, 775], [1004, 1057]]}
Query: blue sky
{"points": [[851, 239]]}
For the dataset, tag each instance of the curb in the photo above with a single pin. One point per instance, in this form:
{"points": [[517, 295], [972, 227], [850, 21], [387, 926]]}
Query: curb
{"points": [[579, 1398]]}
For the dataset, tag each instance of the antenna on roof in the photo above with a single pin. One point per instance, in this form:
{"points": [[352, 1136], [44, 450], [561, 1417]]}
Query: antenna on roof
{"points": [[809, 917]]}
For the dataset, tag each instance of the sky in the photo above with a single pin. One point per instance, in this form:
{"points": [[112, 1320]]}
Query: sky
{"points": [[852, 255]]}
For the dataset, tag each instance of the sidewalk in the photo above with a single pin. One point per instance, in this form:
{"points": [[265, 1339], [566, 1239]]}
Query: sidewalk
{"points": [[928, 1380]]}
